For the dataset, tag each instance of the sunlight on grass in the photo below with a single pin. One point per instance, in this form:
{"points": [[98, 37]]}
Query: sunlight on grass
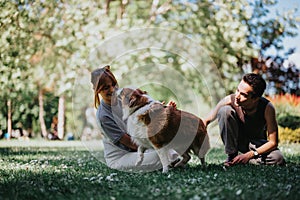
{"points": [[72, 172]]}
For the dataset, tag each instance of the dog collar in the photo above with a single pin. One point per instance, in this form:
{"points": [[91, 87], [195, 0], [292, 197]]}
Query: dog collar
{"points": [[140, 107]]}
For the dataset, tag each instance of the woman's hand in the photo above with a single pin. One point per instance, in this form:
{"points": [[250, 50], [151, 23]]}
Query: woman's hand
{"points": [[172, 103]]}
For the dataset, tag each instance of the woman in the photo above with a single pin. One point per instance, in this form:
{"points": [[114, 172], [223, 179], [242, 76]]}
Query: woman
{"points": [[119, 151]]}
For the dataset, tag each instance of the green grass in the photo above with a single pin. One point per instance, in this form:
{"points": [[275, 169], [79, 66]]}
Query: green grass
{"points": [[58, 172]]}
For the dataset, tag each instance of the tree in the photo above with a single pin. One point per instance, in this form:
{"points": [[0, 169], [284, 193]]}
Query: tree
{"points": [[266, 33], [233, 32], [16, 48], [45, 44]]}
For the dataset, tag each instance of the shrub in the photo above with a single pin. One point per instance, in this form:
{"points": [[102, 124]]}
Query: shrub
{"points": [[287, 110], [286, 104], [287, 135], [289, 121]]}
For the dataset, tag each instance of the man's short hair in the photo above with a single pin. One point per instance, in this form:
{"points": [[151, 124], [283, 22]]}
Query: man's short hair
{"points": [[256, 82]]}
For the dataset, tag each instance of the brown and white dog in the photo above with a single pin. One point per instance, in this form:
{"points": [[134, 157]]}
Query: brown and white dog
{"points": [[154, 125]]}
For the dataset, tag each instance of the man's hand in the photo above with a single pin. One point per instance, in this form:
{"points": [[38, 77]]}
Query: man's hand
{"points": [[205, 122], [242, 158]]}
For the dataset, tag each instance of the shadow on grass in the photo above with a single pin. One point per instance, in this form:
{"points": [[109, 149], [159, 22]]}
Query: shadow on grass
{"points": [[65, 173]]}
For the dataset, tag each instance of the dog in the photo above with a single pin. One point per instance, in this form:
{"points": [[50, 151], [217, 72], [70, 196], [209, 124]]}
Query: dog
{"points": [[152, 124]]}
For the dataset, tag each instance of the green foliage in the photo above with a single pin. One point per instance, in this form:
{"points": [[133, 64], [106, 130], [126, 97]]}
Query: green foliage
{"points": [[45, 44], [287, 110], [288, 117], [288, 135], [267, 32], [73, 173], [289, 121]]}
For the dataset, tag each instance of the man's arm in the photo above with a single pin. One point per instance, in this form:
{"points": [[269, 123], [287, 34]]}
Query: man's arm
{"points": [[212, 115], [272, 129], [115, 134]]}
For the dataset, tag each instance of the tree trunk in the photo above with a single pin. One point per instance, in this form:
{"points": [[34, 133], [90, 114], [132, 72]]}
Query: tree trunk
{"points": [[41, 114], [153, 10], [9, 120], [61, 117]]}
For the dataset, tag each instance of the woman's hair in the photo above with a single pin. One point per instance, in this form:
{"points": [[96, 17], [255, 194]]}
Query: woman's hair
{"points": [[256, 82], [98, 80]]}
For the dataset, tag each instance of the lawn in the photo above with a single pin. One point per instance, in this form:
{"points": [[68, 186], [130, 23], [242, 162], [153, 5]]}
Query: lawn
{"points": [[67, 170]]}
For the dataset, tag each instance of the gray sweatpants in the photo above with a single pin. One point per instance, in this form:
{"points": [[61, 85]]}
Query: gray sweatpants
{"points": [[234, 142], [123, 160]]}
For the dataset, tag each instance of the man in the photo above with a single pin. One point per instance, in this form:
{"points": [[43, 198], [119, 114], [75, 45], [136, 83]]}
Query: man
{"points": [[247, 123]]}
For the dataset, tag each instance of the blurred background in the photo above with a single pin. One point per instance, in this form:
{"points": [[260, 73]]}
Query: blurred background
{"points": [[49, 48]]}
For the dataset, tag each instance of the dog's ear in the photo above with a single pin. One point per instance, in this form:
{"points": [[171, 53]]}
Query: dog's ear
{"points": [[136, 94], [141, 91], [132, 100]]}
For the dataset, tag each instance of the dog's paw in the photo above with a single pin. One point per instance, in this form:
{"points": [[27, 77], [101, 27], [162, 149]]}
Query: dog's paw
{"points": [[165, 169], [175, 162], [180, 163], [138, 162]]}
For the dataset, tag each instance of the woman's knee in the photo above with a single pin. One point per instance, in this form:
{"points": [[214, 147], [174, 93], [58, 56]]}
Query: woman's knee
{"points": [[112, 164]]}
